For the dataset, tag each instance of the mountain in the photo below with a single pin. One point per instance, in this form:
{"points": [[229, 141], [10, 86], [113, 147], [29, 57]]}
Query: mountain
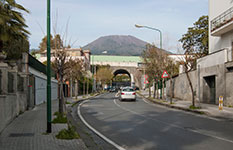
{"points": [[123, 45]]}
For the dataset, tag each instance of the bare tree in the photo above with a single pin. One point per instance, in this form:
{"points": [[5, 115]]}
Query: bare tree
{"points": [[104, 75], [75, 72], [172, 68], [60, 66], [155, 62], [189, 64]]}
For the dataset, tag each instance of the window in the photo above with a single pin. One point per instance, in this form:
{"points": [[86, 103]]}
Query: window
{"points": [[10, 83]]}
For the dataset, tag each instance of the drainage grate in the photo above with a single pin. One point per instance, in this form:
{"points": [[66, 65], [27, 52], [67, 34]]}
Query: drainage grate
{"points": [[21, 134]]}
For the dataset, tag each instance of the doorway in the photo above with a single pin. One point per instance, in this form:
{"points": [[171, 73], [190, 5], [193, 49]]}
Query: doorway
{"points": [[209, 91]]}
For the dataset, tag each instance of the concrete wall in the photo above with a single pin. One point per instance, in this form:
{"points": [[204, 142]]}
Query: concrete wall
{"points": [[229, 89], [11, 104], [219, 72], [223, 80], [181, 86]]}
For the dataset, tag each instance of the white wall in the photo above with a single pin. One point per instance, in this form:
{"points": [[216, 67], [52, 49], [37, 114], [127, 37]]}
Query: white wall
{"points": [[214, 59], [41, 87], [216, 8]]}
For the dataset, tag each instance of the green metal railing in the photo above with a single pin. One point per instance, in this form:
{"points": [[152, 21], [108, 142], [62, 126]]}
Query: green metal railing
{"points": [[37, 65]]}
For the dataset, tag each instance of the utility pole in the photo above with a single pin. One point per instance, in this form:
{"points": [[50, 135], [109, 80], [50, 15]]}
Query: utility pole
{"points": [[49, 112]]}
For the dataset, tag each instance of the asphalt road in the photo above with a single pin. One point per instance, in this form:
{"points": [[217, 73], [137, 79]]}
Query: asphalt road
{"points": [[142, 125]]}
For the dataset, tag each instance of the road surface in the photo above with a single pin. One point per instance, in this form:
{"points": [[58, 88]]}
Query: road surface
{"points": [[142, 125]]}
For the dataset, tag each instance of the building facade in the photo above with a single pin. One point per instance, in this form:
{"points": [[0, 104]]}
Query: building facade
{"points": [[215, 71], [74, 53]]}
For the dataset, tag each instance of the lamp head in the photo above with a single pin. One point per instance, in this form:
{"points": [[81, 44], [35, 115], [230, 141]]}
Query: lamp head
{"points": [[138, 26]]}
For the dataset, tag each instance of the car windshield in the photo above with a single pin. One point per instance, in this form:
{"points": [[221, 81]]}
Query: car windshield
{"points": [[128, 90]]}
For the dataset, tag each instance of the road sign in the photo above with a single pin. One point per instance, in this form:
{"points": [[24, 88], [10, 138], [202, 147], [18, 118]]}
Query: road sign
{"points": [[220, 106], [146, 81], [165, 74]]}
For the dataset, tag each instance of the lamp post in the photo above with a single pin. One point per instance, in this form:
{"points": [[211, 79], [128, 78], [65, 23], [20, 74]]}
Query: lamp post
{"points": [[93, 75], [140, 26], [49, 127]]}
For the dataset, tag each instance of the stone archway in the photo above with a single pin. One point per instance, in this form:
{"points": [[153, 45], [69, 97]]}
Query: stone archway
{"points": [[124, 71], [134, 73]]}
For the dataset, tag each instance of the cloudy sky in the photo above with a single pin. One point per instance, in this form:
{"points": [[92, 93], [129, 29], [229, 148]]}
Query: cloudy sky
{"points": [[90, 19]]}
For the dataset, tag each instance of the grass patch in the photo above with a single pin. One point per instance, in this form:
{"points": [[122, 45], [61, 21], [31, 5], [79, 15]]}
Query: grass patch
{"points": [[92, 94], [230, 106], [68, 134], [194, 107], [84, 96], [68, 102], [60, 118], [74, 104]]}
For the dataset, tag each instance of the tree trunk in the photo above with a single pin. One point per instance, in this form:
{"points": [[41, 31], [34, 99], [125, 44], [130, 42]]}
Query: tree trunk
{"points": [[59, 95], [87, 86], [149, 90], [61, 99], [76, 89], [157, 91], [191, 87], [71, 87], [84, 83], [162, 88], [61, 110], [154, 89]]}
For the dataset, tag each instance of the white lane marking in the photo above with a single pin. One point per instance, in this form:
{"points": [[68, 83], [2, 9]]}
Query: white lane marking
{"points": [[97, 132], [173, 125]]}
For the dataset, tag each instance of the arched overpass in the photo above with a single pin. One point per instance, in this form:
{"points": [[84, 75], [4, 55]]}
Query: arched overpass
{"points": [[130, 65]]}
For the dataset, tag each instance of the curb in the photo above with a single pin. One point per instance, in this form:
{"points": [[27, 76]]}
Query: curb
{"points": [[82, 99], [176, 107]]}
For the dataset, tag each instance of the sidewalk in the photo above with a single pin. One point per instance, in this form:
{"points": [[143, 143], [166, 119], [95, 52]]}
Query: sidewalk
{"points": [[207, 109], [27, 132]]}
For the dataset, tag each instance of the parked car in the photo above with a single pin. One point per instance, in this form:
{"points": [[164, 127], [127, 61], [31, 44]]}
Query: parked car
{"points": [[127, 93], [113, 89]]}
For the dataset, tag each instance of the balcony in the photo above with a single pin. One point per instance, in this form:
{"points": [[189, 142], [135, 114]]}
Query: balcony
{"points": [[223, 23]]}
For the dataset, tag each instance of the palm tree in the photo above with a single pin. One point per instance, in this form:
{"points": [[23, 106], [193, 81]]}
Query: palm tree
{"points": [[12, 23]]}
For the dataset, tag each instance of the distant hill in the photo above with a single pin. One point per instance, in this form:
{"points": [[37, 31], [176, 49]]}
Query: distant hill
{"points": [[123, 45]]}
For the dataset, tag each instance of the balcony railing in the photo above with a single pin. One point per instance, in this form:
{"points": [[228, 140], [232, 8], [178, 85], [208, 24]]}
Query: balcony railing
{"points": [[222, 19]]}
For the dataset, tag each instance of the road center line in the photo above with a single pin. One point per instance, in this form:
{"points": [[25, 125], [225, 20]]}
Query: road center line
{"points": [[95, 131], [173, 125]]}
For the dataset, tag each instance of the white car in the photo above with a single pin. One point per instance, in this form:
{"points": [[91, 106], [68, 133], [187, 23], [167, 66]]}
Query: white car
{"points": [[127, 93]]}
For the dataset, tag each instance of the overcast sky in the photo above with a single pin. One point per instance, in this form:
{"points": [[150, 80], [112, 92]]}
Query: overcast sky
{"points": [[91, 19]]}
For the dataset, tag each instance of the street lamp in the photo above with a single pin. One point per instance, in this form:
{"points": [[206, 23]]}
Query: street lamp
{"points": [[141, 26], [93, 75], [49, 112]]}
